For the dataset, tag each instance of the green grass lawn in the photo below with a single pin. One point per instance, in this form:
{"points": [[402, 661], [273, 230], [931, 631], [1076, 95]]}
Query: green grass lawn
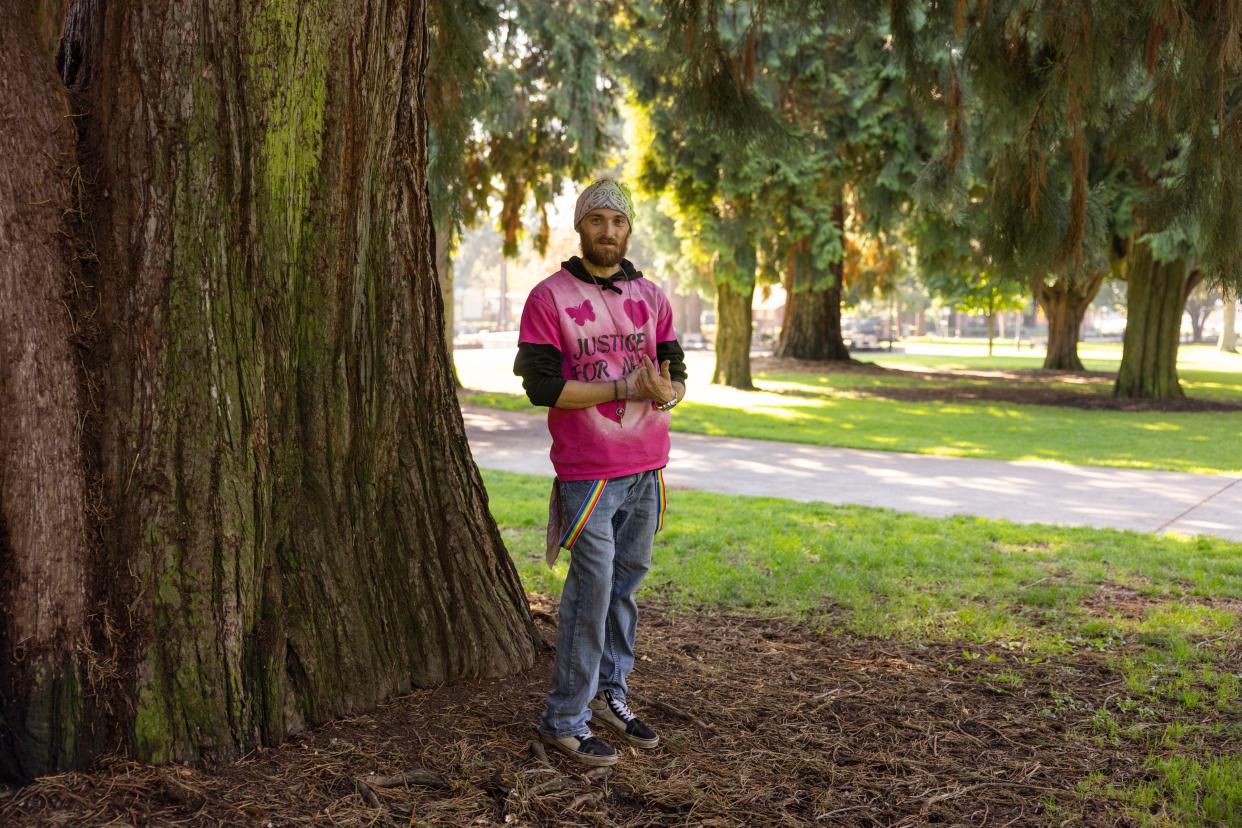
{"points": [[1204, 372], [1044, 592], [827, 410], [1207, 442]]}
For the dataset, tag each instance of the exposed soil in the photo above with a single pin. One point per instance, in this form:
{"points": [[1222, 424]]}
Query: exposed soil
{"points": [[763, 722], [1018, 386]]}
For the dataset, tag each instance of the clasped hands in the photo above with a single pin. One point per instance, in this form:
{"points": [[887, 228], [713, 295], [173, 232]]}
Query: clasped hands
{"points": [[646, 382]]}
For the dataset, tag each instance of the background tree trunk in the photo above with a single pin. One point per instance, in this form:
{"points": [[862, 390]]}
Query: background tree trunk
{"points": [[1065, 303], [291, 527], [694, 314], [444, 277], [1197, 319], [733, 332], [1228, 339], [811, 328], [1199, 306], [44, 538], [1156, 297], [687, 307]]}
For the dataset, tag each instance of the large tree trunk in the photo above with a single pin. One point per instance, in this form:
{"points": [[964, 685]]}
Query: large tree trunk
{"points": [[1155, 300], [44, 537], [1228, 340], [290, 526], [1065, 302], [733, 332], [811, 328]]}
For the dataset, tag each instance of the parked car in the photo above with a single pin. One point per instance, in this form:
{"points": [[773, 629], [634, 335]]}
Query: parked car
{"points": [[862, 334]]}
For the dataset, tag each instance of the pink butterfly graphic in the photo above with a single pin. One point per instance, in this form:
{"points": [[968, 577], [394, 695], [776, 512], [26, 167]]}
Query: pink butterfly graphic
{"points": [[582, 314]]}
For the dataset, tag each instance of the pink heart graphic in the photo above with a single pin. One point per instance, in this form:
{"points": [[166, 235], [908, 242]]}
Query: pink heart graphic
{"points": [[637, 311], [609, 410]]}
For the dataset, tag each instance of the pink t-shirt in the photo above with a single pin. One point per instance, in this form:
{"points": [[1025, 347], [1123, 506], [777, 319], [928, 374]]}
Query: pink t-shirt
{"points": [[601, 335]]}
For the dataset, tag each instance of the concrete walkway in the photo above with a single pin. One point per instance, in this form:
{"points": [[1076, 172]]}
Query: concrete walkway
{"points": [[1025, 492]]}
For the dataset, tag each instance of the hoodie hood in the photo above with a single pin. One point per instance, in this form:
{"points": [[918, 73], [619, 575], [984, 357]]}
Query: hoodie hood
{"points": [[625, 273]]}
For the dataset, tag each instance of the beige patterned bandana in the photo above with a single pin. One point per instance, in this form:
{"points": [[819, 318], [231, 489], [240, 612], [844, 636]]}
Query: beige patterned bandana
{"points": [[607, 193]]}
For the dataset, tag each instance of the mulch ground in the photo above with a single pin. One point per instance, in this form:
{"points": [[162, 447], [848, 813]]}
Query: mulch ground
{"points": [[1093, 389], [764, 722]]}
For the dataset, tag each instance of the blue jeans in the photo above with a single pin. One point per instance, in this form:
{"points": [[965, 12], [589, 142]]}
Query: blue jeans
{"points": [[610, 527]]}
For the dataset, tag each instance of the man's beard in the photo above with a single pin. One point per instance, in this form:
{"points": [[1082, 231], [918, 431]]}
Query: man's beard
{"points": [[604, 256]]}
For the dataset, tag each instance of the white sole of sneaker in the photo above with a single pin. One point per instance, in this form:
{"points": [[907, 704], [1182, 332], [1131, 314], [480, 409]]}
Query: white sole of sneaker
{"points": [[584, 758]]}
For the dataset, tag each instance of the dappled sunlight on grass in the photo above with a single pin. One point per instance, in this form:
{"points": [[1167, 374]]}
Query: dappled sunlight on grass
{"points": [[1009, 412], [948, 355], [835, 410], [1105, 438], [1033, 588], [957, 448], [787, 413], [1207, 358], [1218, 384]]}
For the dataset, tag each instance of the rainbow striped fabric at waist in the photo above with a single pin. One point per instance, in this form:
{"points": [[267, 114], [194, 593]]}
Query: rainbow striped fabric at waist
{"points": [[584, 514]]}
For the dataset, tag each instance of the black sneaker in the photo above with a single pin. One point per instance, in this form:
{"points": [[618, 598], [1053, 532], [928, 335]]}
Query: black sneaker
{"points": [[583, 747], [616, 714]]}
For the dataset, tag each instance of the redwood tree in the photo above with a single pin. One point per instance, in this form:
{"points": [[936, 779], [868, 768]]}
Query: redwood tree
{"points": [[811, 328], [1107, 120], [1158, 86], [235, 492], [1065, 299]]}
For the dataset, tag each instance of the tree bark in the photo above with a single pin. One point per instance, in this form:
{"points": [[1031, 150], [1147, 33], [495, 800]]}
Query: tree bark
{"points": [[811, 328], [290, 526], [733, 332], [1228, 339], [1156, 298], [44, 537], [1065, 302]]}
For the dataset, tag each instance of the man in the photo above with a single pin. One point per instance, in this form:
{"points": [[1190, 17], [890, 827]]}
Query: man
{"points": [[591, 337]]}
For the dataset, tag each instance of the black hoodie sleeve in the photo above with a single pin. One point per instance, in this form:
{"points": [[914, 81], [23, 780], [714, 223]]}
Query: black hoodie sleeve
{"points": [[676, 357], [539, 366]]}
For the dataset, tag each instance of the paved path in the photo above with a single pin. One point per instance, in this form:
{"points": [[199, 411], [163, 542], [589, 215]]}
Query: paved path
{"points": [[1025, 492]]}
